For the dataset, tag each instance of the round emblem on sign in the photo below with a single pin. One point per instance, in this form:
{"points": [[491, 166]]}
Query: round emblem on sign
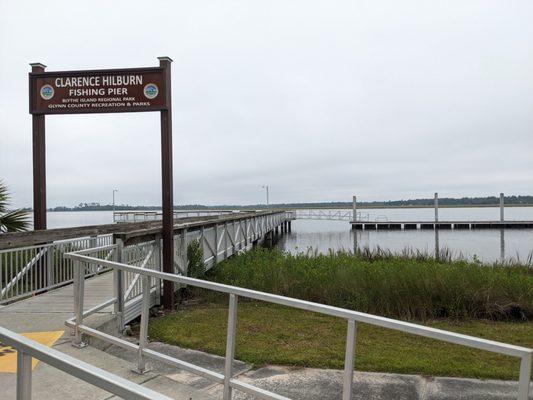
{"points": [[47, 92], [151, 91]]}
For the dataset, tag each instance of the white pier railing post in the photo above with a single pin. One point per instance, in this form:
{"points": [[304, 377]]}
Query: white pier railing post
{"points": [[354, 208], [502, 216], [158, 267], [216, 247], [79, 289], [143, 331], [50, 265], [230, 346], [436, 205], [525, 373], [23, 376], [226, 233], [118, 280], [349, 360], [183, 252]]}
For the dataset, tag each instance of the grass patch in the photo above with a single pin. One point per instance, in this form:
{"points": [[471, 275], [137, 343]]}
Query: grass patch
{"points": [[271, 334], [487, 301], [408, 287]]}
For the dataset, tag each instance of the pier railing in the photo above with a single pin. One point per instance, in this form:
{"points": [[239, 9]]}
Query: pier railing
{"points": [[330, 215], [30, 270], [28, 349], [217, 239], [141, 216], [352, 318]]}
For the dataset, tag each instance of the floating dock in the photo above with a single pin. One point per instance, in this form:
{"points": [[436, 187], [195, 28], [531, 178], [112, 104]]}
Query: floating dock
{"points": [[465, 225]]}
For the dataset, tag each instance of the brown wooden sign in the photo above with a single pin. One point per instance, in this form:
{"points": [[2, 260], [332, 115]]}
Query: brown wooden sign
{"points": [[98, 91], [105, 91]]}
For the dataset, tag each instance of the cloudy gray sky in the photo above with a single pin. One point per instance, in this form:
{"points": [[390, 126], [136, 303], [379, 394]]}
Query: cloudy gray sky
{"points": [[318, 99]]}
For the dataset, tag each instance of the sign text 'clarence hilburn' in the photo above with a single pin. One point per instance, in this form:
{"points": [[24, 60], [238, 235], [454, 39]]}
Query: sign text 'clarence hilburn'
{"points": [[78, 92]]}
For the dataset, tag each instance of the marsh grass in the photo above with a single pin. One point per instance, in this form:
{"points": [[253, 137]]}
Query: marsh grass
{"points": [[468, 297], [410, 285]]}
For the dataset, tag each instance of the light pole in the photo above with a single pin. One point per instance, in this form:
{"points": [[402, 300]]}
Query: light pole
{"points": [[114, 190], [266, 187]]}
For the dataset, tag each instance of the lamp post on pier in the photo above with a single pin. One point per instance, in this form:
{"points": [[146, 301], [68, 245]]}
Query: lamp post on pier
{"points": [[114, 190], [266, 187]]}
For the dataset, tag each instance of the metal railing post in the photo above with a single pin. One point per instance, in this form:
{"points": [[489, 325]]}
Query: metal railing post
{"points": [[234, 238], [118, 278], [245, 234], [226, 233], [525, 374], [23, 376], [79, 288], [230, 346], [183, 251], [93, 242], [349, 360], [216, 244], [159, 267], [143, 331], [75, 290], [202, 244], [50, 273]]}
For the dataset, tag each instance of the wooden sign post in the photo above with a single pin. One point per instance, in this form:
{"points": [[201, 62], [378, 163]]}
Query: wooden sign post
{"points": [[105, 91]]}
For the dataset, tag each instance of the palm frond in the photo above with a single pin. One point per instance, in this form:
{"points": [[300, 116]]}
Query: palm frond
{"points": [[4, 197], [14, 221]]}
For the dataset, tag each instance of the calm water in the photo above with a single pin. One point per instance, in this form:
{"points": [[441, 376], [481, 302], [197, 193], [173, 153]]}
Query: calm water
{"points": [[66, 219], [488, 245]]}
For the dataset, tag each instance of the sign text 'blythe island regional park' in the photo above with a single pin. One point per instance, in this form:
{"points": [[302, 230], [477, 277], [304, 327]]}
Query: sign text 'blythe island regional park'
{"points": [[76, 92], [105, 91]]}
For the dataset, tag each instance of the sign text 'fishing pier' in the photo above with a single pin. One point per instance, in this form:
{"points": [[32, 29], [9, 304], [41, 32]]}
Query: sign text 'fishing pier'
{"points": [[100, 91], [105, 91]]}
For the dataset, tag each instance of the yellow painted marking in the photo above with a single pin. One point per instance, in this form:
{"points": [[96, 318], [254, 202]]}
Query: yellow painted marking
{"points": [[8, 355]]}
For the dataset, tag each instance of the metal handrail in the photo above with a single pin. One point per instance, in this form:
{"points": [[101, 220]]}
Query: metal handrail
{"points": [[352, 317], [329, 215], [30, 270], [26, 349], [134, 216]]}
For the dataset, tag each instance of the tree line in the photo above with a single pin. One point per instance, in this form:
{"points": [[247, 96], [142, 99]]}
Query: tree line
{"points": [[444, 201]]}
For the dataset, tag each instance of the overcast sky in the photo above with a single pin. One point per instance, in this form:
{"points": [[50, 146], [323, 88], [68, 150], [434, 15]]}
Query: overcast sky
{"points": [[318, 99]]}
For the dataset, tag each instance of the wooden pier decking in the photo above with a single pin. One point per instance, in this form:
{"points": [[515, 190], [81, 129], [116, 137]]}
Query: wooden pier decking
{"points": [[414, 225]]}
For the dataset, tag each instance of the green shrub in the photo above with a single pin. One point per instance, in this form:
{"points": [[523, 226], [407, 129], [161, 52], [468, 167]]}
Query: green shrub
{"points": [[195, 260]]}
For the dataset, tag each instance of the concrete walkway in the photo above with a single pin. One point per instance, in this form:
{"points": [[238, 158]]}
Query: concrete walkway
{"points": [[326, 384], [48, 312]]}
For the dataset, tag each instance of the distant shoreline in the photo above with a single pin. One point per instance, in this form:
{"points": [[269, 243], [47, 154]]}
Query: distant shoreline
{"points": [[280, 207]]}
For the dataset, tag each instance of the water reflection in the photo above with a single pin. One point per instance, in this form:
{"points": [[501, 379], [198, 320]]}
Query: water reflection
{"points": [[438, 253], [437, 245], [486, 245], [502, 245]]}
